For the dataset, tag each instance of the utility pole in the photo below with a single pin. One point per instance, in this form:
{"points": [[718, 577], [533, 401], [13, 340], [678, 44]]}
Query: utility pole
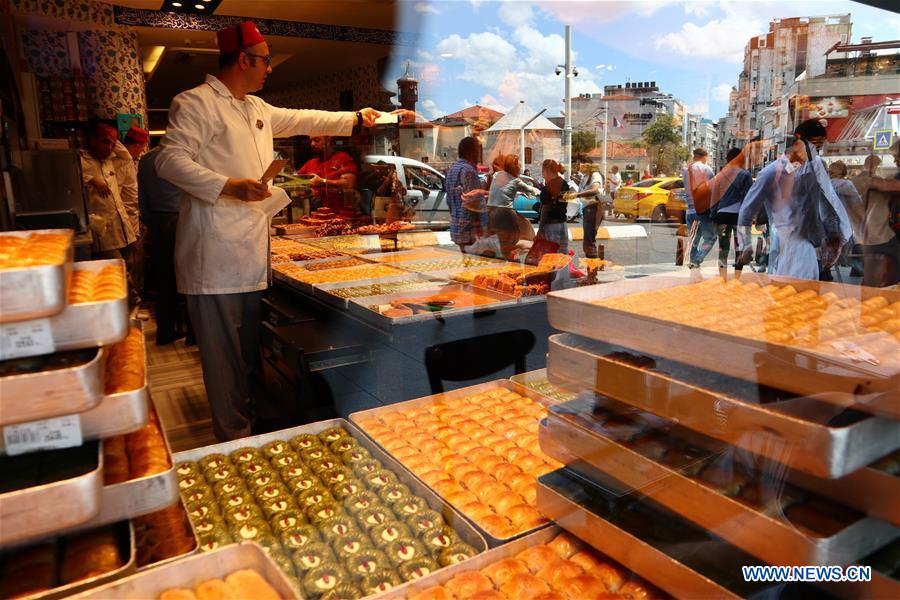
{"points": [[605, 134], [568, 122]]}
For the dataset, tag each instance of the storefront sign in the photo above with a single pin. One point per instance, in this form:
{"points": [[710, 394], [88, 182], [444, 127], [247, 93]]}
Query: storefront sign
{"points": [[637, 118]]}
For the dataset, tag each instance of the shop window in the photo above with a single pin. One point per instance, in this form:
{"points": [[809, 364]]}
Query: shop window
{"points": [[417, 177]]}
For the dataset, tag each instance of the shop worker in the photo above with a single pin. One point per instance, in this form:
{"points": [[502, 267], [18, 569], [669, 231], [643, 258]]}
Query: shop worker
{"points": [[804, 212], [218, 145], [111, 228], [127, 153], [334, 172]]}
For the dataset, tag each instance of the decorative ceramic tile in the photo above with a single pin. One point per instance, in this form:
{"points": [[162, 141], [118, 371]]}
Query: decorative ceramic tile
{"points": [[47, 53], [111, 63], [86, 11]]}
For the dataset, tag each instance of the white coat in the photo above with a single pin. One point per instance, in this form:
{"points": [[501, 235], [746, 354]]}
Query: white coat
{"points": [[110, 224], [221, 244]]}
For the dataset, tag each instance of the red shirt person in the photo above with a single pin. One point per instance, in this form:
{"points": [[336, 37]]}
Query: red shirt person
{"points": [[333, 174]]}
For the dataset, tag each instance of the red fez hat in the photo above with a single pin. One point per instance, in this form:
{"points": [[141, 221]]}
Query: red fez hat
{"points": [[136, 134], [237, 37]]}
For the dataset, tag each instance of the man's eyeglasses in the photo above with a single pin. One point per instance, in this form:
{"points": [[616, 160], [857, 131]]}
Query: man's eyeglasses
{"points": [[266, 59]]}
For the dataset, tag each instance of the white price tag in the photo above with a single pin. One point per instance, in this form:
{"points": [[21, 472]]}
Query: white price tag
{"points": [[29, 338], [48, 434]]}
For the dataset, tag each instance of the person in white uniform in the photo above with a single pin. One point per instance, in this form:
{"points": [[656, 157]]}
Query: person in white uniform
{"points": [[218, 145]]}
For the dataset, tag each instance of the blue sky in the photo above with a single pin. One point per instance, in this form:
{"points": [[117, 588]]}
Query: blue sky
{"points": [[496, 52]]}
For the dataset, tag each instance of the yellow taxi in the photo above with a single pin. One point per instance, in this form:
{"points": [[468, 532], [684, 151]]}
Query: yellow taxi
{"points": [[646, 199]]}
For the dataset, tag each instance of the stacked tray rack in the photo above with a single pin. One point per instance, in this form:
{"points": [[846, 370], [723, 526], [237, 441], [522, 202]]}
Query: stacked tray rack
{"points": [[56, 349], [772, 451]]}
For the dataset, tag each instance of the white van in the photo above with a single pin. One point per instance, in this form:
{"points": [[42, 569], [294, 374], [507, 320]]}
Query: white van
{"points": [[424, 188]]}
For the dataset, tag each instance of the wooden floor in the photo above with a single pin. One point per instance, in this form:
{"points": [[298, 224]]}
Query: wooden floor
{"points": [[176, 386]]}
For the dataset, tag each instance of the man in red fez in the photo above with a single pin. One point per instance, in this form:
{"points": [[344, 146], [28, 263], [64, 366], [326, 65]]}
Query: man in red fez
{"points": [[218, 145]]}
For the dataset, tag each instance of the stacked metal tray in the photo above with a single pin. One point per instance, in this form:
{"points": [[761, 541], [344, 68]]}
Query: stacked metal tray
{"points": [[631, 458], [360, 417], [35, 292], [36, 511], [793, 369], [194, 570], [419, 282], [806, 433]]}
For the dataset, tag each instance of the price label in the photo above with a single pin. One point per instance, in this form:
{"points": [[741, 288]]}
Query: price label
{"points": [[29, 338], [48, 434]]}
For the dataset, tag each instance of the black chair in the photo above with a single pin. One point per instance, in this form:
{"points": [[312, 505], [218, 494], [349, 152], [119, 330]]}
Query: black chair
{"points": [[476, 357]]}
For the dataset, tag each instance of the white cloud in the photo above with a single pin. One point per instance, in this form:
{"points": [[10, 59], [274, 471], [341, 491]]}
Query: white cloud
{"points": [[425, 55], [493, 103], [515, 13], [721, 92], [700, 107], [581, 14], [697, 8], [476, 4], [486, 57], [425, 7], [722, 39], [543, 52], [430, 109]]}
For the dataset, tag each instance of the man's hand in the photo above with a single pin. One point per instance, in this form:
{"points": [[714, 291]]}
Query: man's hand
{"points": [[368, 116], [101, 187], [248, 190], [831, 254], [317, 181], [406, 116]]}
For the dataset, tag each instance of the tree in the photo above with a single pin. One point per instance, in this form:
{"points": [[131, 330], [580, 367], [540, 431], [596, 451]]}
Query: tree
{"points": [[582, 143], [663, 145]]}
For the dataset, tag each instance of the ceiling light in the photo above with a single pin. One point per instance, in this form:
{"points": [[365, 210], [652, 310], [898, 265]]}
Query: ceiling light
{"points": [[176, 4], [199, 6]]}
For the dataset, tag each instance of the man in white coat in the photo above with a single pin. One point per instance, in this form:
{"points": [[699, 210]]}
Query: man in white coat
{"points": [[217, 147]]}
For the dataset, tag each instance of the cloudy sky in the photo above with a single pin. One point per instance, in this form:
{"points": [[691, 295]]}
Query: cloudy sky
{"points": [[496, 52]]}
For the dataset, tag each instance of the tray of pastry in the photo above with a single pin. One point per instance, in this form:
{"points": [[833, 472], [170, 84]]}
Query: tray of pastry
{"points": [[238, 571], [805, 433], [67, 565], [411, 255], [680, 558], [477, 447], [34, 273], [549, 561], [297, 276], [97, 309], [804, 337], [49, 491], [348, 244], [163, 536], [138, 474], [734, 497], [124, 406], [55, 384], [340, 294], [402, 308], [537, 380], [332, 508], [874, 489]]}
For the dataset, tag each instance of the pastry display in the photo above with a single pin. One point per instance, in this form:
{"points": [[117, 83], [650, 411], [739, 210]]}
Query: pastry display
{"points": [[545, 571], [134, 455], [34, 250], [446, 264], [386, 227], [381, 289], [350, 244], [162, 535], [544, 387], [246, 583], [334, 264], [859, 330], [299, 273], [323, 541], [512, 281], [125, 361], [97, 286], [480, 452], [410, 255], [286, 250], [447, 299]]}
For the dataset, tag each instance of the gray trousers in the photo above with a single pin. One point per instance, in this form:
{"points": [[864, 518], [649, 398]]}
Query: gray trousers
{"points": [[227, 328]]}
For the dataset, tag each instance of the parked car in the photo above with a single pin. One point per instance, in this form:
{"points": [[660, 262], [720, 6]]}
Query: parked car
{"points": [[676, 205], [646, 199], [424, 188]]}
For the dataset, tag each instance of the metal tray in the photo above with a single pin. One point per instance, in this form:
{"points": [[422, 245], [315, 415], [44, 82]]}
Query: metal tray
{"points": [[729, 409], [52, 392], [510, 550], [466, 531], [194, 570], [323, 290], [308, 288], [361, 416], [410, 255], [694, 566], [794, 369], [360, 306], [40, 510], [869, 490], [772, 539], [350, 244], [537, 381], [166, 561], [35, 292]]}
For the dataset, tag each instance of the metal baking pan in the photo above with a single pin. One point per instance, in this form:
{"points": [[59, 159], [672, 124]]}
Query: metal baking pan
{"points": [[794, 369], [53, 392], [171, 559], [537, 381], [770, 538], [360, 306], [307, 287], [324, 290], [875, 492], [125, 535], [194, 570], [362, 416], [510, 550], [40, 510], [804, 433], [466, 531], [351, 244], [410, 255], [667, 551], [35, 292]]}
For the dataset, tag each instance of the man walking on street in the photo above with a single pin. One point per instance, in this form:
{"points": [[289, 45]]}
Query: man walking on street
{"points": [[467, 220], [218, 144], [702, 230]]}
